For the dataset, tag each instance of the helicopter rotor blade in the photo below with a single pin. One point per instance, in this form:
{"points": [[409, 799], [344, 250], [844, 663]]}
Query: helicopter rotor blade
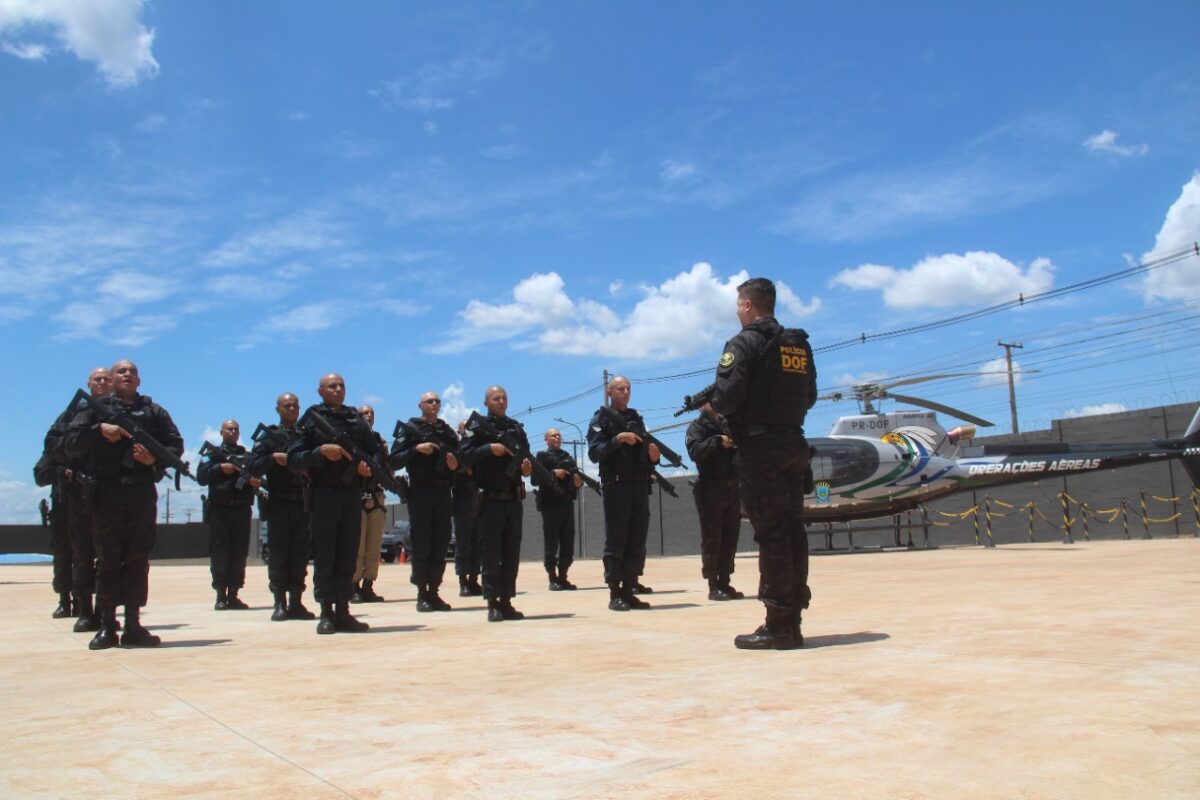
{"points": [[954, 412], [923, 378]]}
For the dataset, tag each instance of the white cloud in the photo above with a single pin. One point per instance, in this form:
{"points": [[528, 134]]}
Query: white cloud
{"points": [[950, 280], [306, 318], [1106, 142], [430, 128], [28, 51], [685, 315], [307, 231], [131, 286], [152, 123], [19, 501], [615, 287], [673, 171], [995, 373], [1180, 230], [1093, 410], [108, 32], [436, 86], [136, 331], [298, 116], [454, 406]]}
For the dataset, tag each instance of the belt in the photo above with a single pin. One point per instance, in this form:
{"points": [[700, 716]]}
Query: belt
{"points": [[703, 481], [488, 494], [128, 480], [759, 430], [433, 483], [288, 495]]}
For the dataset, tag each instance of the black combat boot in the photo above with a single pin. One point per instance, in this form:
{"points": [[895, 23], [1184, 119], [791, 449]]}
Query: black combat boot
{"points": [[368, 592], [775, 634], [296, 609], [507, 611], [326, 625], [281, 612], [424, 605], [616, 598], [106, 636], [88, 620], [640, 588], [555, 583], [796, 635], [494, 612], [358, 596], [431, 593], [629, 592], [476, 589], [234, 603], [464, 586], [222, 599], [64, 606], [134, 634], [727, 587], [346, 623], [564, 583], [716, 591]]}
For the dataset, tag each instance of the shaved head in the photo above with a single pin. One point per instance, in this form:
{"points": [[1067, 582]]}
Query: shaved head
{"points": [[287, 406]]}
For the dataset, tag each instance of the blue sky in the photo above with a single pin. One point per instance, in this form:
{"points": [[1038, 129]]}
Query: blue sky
{"points": [[242, 196]]}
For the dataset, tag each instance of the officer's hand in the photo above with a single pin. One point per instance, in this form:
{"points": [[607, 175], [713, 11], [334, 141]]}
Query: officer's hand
{"points": [[334, 452], [500, 450], [255, 483], [228, 469], [560, 473], [113, 433], [364, 469], [142, 455], [526, 467], [280, 458], [68, 474], [708, 409], [426, 448], [629, 437], [451, 462], [652, 451], [578, 481], [726, 442]]}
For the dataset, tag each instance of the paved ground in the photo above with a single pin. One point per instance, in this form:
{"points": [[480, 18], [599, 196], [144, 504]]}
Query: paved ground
{"points": [[1037, 671]]}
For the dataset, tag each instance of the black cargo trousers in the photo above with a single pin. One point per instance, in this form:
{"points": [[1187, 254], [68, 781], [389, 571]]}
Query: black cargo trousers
{"points": [[289, 544], [558, 534], [626, 524], [719, 506]]}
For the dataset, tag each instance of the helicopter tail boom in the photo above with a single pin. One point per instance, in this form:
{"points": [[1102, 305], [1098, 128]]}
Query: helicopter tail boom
{"points": [[1191, 453]]}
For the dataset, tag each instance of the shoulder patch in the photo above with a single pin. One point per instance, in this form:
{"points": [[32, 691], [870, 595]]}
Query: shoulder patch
{"points": [[726, 359]]}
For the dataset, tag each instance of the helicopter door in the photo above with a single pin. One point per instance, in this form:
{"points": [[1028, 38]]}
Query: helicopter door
{"points": [[841, 462]]}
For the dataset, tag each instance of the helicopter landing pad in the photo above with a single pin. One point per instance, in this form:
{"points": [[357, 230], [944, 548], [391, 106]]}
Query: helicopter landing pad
{"points": [[1026, 671]]}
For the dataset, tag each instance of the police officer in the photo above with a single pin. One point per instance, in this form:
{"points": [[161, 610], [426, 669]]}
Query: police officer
{"points": [[766, 382], [71, 541], [374, 518], [428, 449], [336, 516], [228, 516], [467, 547], [716, 496], [288, 539], [126, 503], [626, 461], [500, 512], [557, 504]]}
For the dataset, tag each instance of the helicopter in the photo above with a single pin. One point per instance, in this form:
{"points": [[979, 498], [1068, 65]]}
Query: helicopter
{"points": [[874, 464]]}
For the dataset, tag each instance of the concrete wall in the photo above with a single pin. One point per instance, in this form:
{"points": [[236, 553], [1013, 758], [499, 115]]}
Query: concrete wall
{"points": [[674, 529]]}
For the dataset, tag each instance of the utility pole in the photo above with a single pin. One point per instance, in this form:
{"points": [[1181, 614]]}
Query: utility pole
{"points": [[1012, 392], [605, 389], [167, 513]]}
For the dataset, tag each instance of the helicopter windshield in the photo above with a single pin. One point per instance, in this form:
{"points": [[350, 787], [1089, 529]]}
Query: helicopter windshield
{"points": [[841, 462]]}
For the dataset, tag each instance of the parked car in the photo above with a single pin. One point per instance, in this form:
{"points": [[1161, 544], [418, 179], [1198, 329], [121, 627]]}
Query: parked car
{"points": [[396, 537], [263, 550]]}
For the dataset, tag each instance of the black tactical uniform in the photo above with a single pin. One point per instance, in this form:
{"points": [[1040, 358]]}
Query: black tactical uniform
{"points": [[625, 477], [336, 516], [766, 382], [557, 504], [467, 546], [50, 470], [717, 501], [288, 537], [500, 514], [125, 508], [228, 524], [430, 505]]}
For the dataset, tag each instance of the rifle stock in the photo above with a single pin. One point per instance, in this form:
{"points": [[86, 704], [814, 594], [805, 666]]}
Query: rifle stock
{"points": [[137, 434]]}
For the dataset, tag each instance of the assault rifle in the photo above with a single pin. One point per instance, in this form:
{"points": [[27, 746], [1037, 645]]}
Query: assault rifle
{"points": [[422, 437], [588, 480], [512, 441], [694, 402], [241, 463], [163, 458], [666, 485], [670, 455], [381, 471]]}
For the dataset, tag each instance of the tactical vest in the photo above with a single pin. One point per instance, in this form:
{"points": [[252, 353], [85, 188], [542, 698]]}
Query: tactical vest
{"points": [[779, 386]]}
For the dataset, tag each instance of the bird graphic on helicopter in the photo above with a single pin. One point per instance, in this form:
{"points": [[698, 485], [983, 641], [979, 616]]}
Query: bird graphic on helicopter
{"points": [[876, 464]]}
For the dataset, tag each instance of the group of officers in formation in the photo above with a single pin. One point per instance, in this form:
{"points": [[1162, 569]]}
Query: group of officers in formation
{"points": [[321, 478]]}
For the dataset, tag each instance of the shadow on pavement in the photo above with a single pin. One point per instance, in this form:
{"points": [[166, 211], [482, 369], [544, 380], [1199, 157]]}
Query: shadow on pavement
{"points": [[195, 643], [174, 626], [838, 639], [396, 628], [671, 606], [549, 616]]}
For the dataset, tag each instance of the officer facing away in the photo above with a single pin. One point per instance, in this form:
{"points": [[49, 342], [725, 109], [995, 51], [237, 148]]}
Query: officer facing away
{"points": [[766, 382]]}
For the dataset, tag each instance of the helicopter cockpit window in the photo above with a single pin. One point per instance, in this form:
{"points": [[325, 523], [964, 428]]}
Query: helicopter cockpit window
{"points": [[841, 462]]}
